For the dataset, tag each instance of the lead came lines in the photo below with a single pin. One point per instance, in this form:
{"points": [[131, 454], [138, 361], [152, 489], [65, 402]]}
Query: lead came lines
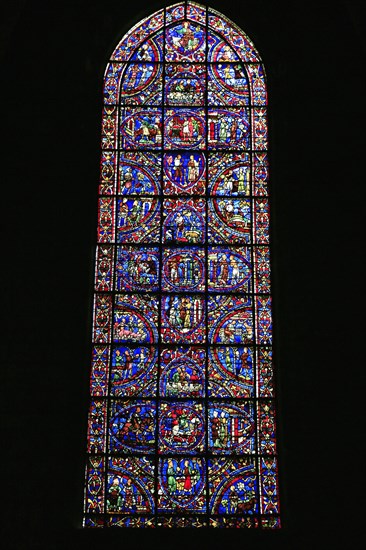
{"points": [[183, 230]]}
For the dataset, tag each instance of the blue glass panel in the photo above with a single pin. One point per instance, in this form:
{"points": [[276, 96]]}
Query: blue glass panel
{"points": [[183, 269], [184, 221], [138, 220], [132, 427], [182, 372], [182, 427], [137, 269], [184, 173], [135, 319], [185, 41], [139, 173], [231, 428], [142, 84], [229, 269], [134, 371], [233, 486], [184, 128], [130, 485], [181, 484], [231, 371]]}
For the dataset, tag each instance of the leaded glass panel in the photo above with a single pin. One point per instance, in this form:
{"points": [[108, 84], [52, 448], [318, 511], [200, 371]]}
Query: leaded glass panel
{"points": [[181, 426]]}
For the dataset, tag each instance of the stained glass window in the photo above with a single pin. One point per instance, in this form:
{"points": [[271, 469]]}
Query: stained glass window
{"points": [[181, 428]]}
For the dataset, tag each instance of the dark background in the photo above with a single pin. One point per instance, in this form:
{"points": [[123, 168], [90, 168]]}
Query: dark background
{"points": [[53, 56]]}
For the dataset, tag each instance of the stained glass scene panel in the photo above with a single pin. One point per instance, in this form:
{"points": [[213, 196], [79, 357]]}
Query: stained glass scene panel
{"points": [[181, 423]]}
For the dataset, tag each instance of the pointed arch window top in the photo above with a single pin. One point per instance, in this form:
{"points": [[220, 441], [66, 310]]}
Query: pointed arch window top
{"points": [[193, 15]]}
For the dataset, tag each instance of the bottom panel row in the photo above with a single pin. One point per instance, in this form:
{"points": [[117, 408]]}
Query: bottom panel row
{"points": [[137, 486], [247, 522]]}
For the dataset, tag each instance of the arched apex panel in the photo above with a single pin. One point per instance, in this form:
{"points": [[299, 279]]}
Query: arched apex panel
{"points": [[195, 13], [180, 35]]}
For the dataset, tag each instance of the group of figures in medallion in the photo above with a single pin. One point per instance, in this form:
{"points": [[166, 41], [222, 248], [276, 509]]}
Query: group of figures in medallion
{"points": [[181, 426]]}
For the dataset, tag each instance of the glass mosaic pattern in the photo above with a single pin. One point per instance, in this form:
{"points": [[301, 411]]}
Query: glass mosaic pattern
{"points": [[181, 429]]}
